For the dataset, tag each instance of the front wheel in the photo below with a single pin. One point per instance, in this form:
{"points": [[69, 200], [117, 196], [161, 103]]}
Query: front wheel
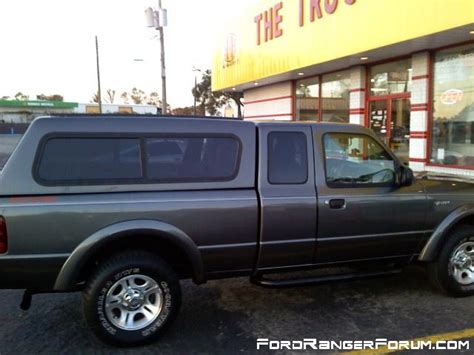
{"points": [[131, 299], [453, 272]]}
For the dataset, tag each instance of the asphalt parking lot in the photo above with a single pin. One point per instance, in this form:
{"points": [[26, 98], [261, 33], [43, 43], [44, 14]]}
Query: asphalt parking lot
{"points": [[228, 316]]}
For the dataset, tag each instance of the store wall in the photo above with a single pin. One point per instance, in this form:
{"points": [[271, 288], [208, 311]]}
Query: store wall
{"points": [[358, 95], [276, 102], [269, 102]]}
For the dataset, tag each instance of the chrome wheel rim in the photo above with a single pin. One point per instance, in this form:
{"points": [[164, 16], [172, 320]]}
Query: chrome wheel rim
{"points": [[461, 263], [133, 302]]}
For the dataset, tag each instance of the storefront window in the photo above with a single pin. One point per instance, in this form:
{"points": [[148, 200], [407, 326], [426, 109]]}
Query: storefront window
{"points": [[307, 99], [335, 97], [452, 136], [390, 78]]}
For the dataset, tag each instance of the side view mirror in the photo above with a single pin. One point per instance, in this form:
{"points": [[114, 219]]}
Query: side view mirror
{"points": [[406, 176]]}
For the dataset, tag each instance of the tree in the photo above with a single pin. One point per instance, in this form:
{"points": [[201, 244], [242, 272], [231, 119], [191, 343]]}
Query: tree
{"points": [[5, 97], [153, 99], [125, 97], [95, 98], [208, 100], [185, 111], [138, 96], [211, 101], [237, 98], [54, 97], [20, 96], [110, 96]]}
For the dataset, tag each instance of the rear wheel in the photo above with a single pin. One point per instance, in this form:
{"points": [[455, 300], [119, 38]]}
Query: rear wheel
{"points": [[453, 272], [131, 299]]}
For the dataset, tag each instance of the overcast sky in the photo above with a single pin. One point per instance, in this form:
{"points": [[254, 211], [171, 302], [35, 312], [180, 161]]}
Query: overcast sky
{"points": [[48, 46]]}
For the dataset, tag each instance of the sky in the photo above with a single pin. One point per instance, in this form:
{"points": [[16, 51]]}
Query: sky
{"points": [[48, 46]]}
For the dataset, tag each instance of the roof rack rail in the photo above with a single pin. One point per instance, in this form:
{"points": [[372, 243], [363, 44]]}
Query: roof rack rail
{"points": [[120, 114]]}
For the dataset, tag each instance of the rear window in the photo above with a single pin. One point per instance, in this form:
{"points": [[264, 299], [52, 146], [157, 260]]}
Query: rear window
{"points": [[90, 160], [192, 158], [287, 158]]}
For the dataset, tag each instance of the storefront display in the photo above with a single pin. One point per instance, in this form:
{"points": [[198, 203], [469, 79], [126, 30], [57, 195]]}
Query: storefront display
{"points": [[452, 129]]}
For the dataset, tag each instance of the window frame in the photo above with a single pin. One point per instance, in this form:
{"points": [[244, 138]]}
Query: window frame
{"points": [[269, 153], [319, 106], [396, 163], [144, 180]]}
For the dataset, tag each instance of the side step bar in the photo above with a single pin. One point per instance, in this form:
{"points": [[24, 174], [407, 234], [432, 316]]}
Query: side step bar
{"points": [[263, 281]]}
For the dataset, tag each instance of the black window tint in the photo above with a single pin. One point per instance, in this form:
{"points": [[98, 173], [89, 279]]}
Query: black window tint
{"points": [[88, 160], [287, 158], [356, 160], [192, 158]]}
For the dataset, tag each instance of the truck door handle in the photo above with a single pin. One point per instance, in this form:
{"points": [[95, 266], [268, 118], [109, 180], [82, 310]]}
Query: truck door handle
{"points": [[336, 204]]}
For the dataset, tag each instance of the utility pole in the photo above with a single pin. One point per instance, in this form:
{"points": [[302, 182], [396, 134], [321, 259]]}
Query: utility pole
{"points": [[158, 19], [99, 94], [164, 108]]}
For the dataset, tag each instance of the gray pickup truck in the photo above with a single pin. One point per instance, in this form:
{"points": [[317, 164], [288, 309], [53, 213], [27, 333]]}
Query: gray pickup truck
{"points": [[122, 208]]}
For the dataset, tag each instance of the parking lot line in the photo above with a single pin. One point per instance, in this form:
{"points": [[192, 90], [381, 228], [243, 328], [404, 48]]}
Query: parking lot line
{"points": [[461, 334]]}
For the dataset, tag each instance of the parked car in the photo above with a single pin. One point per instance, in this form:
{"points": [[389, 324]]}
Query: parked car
{"points": [[124, 208]]}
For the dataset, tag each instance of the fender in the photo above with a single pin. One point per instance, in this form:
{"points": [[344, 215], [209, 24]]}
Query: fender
{"points": [[69, 273], [430, 251]]}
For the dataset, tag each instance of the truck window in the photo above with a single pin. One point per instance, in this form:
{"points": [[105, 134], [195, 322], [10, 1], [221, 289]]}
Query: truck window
{"points": [[188, 159], [356, 160], [287, 158], [75, 161]]}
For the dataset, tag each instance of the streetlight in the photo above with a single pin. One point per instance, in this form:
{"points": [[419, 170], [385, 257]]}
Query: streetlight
{"points": [[195, 70], [158, 19]]}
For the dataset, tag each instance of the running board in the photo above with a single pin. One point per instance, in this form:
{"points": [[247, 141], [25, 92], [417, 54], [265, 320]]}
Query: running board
{"points": [[261, 280]]}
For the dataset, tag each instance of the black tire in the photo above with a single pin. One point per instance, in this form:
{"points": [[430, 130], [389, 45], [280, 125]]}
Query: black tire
{"points": [[440, 272], [117, 269]]}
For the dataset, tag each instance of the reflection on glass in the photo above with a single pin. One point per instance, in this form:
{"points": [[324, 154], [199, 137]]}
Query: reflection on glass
{"points": [[453, 107], [400, 128], [391, 78], [307, 99], [353, 159], [335, 97], [378, 116]]}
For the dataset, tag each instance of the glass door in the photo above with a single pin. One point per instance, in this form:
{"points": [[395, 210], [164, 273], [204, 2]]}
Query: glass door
{"points": [[389, 118], [378, 118], [399, 141]]}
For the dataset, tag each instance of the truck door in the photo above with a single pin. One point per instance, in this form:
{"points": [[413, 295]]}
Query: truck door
{"points": [[287, 191], [363, 214]]}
